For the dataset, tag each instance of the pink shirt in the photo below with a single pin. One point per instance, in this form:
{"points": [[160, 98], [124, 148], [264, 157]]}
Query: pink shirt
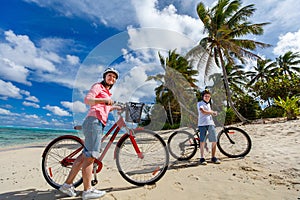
{"points": [[99, 110]]}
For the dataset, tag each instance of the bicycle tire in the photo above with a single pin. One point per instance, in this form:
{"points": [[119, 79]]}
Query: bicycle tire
{"points": [[146, 170], [182, 145], [240, 145], [54, 170]]}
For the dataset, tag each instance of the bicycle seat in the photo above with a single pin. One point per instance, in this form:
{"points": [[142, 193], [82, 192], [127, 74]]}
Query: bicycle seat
{"points": [[78, 127]]}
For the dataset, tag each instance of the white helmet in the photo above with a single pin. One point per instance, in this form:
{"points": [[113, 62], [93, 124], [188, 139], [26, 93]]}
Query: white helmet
{"points": [[111, 70]]}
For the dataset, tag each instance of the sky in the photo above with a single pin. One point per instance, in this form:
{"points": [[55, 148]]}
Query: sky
{"points": [[52, 51]]}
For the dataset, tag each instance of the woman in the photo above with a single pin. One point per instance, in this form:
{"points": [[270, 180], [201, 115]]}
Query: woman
{"points": [[100, 102]]}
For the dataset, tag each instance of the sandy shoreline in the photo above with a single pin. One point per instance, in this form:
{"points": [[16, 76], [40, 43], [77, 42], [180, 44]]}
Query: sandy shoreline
{"points": [[270, 171]]}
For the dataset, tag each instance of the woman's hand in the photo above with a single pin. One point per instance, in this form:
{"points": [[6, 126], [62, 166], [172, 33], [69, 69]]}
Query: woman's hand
{"points": [[108, 101]]}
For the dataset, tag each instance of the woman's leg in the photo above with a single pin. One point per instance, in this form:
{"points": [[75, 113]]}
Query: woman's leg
{"points": [[87, 172], [75, 169]]}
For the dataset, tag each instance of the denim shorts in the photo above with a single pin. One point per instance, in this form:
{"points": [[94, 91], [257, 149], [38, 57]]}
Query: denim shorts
{"points": [[212, 135], [92, 129]]}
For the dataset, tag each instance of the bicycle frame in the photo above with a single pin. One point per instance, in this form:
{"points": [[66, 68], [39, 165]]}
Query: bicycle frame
{"points": [[114, 130], [197, 132], [118, 125]]}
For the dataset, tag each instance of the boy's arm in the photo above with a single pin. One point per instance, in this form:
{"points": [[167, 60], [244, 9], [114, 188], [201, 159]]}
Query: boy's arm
{"points": [[208, 112]]}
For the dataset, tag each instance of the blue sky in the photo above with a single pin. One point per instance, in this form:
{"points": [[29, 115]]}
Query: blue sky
{"points": [[51, 51]]}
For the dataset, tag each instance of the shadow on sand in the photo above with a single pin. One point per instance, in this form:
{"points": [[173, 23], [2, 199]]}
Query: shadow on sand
{"points": [[52, 194], [194, 162]]}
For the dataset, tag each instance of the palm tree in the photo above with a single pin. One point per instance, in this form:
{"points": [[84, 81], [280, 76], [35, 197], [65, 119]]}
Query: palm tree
{"points": [[226, 24], [178, 74], [236, 78], [262, 71], [289, 63]]}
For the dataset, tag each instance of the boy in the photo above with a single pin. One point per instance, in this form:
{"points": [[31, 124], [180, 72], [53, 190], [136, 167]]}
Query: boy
{"points": [[206, 123]]}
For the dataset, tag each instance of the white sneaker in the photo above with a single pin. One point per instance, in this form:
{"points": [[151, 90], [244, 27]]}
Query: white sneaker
{"points": [[68, 189], [92, 194]]}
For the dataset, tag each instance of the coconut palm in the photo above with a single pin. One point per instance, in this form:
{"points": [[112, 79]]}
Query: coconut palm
{"points": [[262, 71], [236, 78], [226, 24], [289, 63], [178, 75]]}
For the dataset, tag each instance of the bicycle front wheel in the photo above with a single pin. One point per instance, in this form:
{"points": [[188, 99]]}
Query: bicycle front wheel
{"points": [[182, 145], [234, 142], [146, 167], [58, 158]]}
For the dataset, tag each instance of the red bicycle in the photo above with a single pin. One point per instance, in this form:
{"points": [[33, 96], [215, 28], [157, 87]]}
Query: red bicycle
{"points": [[141, 155]]}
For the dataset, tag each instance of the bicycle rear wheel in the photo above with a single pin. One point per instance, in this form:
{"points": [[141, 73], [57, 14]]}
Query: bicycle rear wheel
{"points": [[182, 145], [234, 142], [58, 158], [147, 169]]}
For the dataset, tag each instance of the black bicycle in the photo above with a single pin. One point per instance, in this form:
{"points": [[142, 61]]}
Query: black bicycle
{"points": [[233, 142]]}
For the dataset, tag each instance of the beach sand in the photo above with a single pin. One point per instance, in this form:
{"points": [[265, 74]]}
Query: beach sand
{"points": [[270, 171]]}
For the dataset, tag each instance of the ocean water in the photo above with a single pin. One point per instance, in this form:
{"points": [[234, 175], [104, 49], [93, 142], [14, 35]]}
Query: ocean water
{"points": [[16, 136]]}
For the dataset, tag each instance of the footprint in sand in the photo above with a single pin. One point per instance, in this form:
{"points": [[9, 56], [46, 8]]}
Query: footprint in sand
{"points": [[193, 177], [177, 185]]}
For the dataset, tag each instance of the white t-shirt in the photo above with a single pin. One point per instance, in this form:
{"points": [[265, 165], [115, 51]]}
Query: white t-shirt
{"points": [[204, 119]]}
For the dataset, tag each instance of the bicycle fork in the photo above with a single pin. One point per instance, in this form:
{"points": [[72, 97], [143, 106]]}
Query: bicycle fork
{"points": [[227, 135], [135, 146]]}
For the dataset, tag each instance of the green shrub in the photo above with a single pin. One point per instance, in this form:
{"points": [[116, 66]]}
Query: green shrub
{"points": [[168, 126], [230, 117], [290, 106], [272, 112]]}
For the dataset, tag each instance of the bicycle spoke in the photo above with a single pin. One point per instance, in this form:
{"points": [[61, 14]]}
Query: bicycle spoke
{"points": [[182, 145], [150, 167], [234, 142], [54, 171]]}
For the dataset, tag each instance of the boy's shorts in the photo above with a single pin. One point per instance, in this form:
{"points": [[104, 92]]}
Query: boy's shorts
{"points": [[212, 135], [92, 129]]}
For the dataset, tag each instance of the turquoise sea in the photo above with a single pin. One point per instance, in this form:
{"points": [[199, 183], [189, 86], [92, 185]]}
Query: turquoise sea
{"points": [[16, 136]]}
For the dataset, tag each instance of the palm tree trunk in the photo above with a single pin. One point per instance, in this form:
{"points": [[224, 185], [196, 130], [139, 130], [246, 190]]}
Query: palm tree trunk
{"points": [[228, 92]]}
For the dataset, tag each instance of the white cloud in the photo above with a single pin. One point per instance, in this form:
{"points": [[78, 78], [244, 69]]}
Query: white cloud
{"points": [[13, 71], [57, 110], [158, 39], [133, 86], [23, 51], [32, 98], [73, 60], [21, 60], [26, 103], [8, 90], [149, 16], [112, 13], [168, 14], [76, 106], [5, 112], [288, 42], [34, 116]]}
